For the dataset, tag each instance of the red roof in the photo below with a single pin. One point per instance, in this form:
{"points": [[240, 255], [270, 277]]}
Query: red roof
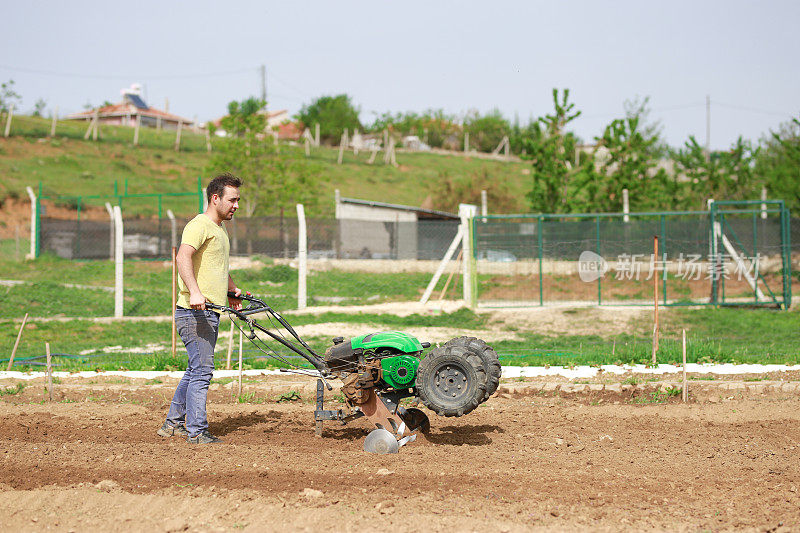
{"points": [[289, 130], [126, 109]]}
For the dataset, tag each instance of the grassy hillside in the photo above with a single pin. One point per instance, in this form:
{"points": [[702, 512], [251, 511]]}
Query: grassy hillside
{"points": [[68, 165]]}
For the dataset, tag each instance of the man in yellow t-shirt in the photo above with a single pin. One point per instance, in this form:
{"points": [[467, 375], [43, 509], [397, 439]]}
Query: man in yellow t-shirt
{"points": [[202, 261]]}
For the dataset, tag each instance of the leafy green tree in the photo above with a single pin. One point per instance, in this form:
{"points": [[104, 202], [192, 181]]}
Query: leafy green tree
{"points": [[626, 159], [486, 131], [435, 127], [722, 175], [779, 164], [8, 96], [519, 135], [550, 156], [244, 116], [651, 131], [275, 182], [333, 114], [38, 107]]}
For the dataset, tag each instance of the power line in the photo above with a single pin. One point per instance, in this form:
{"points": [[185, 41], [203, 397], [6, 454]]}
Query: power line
{"points": [[654, 110], [128, 77], [752, 109]]}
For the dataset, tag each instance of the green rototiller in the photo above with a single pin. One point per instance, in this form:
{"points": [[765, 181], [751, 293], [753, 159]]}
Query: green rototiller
{"points": [[378, 370]]}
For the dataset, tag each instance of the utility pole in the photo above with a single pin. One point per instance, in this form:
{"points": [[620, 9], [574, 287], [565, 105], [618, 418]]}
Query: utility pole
{"points": [[708, 126], [264, 85]]}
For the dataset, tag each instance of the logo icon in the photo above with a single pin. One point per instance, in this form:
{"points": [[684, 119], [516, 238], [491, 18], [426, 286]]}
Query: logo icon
{"points": [[591, 266]]}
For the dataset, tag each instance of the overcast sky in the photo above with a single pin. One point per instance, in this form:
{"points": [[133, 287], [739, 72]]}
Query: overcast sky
{"points": [[401, 56]]}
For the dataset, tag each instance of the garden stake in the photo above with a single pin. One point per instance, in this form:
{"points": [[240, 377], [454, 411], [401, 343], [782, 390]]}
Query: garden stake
{"points": [[230, 349], [240, 362], [49, 373], [685, 384], [19, 336]]}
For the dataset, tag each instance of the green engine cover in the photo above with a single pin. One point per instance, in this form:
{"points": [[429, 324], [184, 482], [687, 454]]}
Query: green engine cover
{"points": [[387, 339], [401, 371]]}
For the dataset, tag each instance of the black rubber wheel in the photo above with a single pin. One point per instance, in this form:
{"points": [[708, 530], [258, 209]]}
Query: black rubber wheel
{"points": [[416, 419], [451, 381], [491, 363]]}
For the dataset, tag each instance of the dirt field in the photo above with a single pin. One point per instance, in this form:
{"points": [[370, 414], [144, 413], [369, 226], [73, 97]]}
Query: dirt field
{"points": [[525, 460]]}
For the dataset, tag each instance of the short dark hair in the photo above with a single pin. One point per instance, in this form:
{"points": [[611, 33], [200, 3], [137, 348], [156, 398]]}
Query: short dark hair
{"points": [[218, 184]]}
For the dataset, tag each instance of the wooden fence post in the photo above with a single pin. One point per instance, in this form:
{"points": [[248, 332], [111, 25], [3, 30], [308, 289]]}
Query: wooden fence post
{"points": [[8, 120], [53, 123], [342, 142], [136, 129], [96, 131], [178, 137], [89, 129]]}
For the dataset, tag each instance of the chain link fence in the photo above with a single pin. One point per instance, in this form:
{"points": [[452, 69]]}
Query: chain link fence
{"points": [[724, 256]]}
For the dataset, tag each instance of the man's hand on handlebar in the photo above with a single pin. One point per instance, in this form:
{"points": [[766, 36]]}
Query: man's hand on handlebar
{"points": [[233, 300], [197, 301]]}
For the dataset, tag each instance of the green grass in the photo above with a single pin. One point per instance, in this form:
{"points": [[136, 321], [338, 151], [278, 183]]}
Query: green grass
{"points": [[147, 283], [68, 165], [68, 339], [735, 335]]}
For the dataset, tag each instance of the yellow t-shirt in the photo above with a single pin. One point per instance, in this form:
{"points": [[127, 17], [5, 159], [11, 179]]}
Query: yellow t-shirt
{"points": [[210, 261]]}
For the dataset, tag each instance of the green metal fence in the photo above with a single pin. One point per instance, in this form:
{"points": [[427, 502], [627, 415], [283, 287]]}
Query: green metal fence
{"points": [[736, 253], [139, 204]]}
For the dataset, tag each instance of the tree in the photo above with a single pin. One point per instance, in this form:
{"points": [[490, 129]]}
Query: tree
{"points": [[779, 164], [333, 114], [519, 135], [8, 96], [486, 132], [651, 131], [550, 156], [38, 107], [625, 159], [274, 181], [722, 175], [244, 116]]}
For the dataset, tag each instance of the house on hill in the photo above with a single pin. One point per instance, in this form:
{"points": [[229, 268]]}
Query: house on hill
{"points": [[277, 121], [131, 107]]}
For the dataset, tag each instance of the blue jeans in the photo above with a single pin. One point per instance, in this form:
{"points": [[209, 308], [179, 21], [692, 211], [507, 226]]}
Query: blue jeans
{"points": [[198, 331]]}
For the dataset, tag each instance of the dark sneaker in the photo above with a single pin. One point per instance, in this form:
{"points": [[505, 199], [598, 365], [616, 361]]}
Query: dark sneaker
{"points": [[168, 430], [203, 438]]}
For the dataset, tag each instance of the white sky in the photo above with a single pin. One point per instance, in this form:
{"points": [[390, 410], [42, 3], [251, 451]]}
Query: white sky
{"points": [[413, 55]]}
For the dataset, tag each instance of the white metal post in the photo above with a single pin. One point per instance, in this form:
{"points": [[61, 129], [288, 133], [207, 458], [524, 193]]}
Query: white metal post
{"points": [[484, 204], [763, 205], [467, 212], [302, 258], [111, 225], [173, 228], [34, 218], [626, 208], [118, 257]]}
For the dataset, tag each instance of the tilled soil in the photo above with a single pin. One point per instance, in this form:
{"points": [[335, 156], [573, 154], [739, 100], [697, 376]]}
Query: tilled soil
{"points": [[521, 461]]}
